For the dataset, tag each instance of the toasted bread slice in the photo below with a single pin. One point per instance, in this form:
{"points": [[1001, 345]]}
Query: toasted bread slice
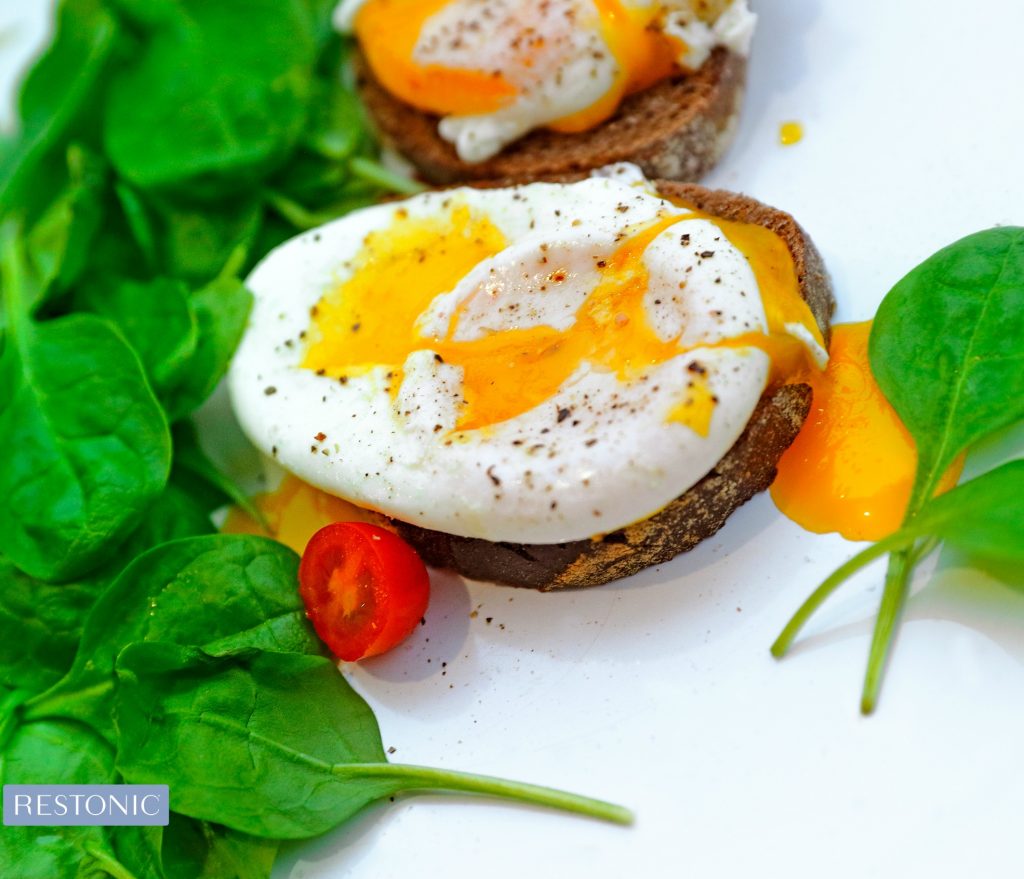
{"points": [[746, 469], [675, 130]]}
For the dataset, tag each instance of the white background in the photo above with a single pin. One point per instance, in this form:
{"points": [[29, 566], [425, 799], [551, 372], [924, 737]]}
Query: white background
{"points": [[658, 692]]}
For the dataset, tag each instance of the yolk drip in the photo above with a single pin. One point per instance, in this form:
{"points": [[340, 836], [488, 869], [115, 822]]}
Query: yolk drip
{"points": [[370, 319], [295, 511], [645, 55], [389, 31], [852, 466]]}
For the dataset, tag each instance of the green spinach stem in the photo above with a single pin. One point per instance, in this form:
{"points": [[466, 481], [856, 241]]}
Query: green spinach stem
{"points": [[833, 582], [894, 598], [426, 778]]}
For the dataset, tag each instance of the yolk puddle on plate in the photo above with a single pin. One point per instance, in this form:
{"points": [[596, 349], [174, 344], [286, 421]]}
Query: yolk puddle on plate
{"points": [[370, 320], [790, 133], [295, 511], [852, 466]]}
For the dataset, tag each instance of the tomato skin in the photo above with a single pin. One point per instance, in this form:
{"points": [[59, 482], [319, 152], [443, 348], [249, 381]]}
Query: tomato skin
{"points": [[365, 589]]}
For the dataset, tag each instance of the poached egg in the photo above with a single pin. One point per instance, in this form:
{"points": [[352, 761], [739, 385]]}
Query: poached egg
{"points": [[494, 70], [536, 364]]}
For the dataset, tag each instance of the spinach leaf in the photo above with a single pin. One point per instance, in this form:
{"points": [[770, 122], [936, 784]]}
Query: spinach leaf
{"points": [[197, 242], [40, 625], [221, 310], [274, 744], [57, 753], [88, 445], [156, 318], [191, 461], [201, 850], [58, 91], [234, 107], [983, 517], [221, 592], [60, 241], [946, 349]]}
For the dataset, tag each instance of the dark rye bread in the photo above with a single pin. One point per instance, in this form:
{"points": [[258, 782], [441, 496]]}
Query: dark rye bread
{"points": [[746, 469], [676, 130]]}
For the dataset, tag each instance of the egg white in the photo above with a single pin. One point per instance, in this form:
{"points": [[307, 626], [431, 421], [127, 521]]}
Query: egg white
{"points": [[538, 477]]}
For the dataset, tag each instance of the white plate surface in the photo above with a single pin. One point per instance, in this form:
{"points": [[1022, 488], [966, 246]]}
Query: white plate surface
{"points": [[658, 692]]}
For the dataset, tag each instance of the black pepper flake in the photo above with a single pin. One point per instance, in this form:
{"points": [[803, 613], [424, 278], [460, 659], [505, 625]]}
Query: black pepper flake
{"points": [[707, 254], [270, 391], [601, 263], [438, 358], [493, 477], [563, 414], [273, 451], [355, 328], [392, 749], [438, 428], [343, 379], [590, 442], [694, 366], [685, 240], [489, 620], [321, 371]]}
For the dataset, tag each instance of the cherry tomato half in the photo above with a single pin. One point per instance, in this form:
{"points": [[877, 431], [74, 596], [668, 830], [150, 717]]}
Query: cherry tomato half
{"points": [[365, 589]]}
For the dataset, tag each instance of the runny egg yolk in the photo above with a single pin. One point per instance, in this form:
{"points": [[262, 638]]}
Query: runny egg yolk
{"points": [[852, 466], [370, 320], [294, 512], [390, 31]]}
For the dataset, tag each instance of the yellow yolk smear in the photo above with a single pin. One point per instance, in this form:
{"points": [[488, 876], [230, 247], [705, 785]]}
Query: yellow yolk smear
{"points": [[852, 466], [389, 30], [294, 512], [369, 321]]}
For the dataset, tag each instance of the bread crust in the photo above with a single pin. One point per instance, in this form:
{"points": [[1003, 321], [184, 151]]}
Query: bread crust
{"points": [[677, 129], [748, 468]]}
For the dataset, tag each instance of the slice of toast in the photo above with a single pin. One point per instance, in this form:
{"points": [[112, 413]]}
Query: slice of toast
{"points": [[746, 469], [675, 130]]}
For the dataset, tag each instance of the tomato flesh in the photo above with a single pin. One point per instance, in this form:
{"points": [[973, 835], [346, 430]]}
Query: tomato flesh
{"points": [[365, 589]]}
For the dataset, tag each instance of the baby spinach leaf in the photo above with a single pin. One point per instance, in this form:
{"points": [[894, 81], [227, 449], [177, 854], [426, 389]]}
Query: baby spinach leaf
{"points": [[200, 850], [40, 625], [193, 462], [233, 108], [58, 90], [57, 753], [221, 310], [983, 517], [88, 445], [59, 243], [197, 242], [946, 348], [274, 744], [222, 592], [155, 317]]}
